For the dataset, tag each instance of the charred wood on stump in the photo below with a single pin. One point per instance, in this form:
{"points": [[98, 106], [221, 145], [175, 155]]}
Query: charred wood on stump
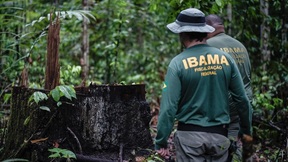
{"points": [[97, 124]]}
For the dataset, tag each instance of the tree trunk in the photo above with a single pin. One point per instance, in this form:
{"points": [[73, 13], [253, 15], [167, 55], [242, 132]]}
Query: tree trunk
{"points": [[284, 29], [229, 15], [108, 59], [85, 43], [52, 70], [264, 33], [108, 123], [1, 54]]}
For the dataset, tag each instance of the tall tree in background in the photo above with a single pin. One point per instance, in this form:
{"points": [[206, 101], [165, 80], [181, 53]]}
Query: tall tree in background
{"points": [[264, 6], [229, 15], [85, 44], [284, 29]]}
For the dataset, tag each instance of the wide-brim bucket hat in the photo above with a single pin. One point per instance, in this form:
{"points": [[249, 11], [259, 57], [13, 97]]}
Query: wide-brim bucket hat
{"points": [[190, 20]]}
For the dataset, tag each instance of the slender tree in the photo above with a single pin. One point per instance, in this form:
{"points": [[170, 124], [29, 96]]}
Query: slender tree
{"points": [[284, 29], [85, 43], [229, 15], [264, 6]]}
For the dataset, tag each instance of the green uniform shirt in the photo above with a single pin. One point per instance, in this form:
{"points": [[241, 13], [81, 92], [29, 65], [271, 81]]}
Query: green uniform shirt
{"points": [[239, 53], [196, 91]]}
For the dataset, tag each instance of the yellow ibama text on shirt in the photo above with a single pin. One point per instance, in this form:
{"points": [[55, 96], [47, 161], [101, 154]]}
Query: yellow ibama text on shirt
{"points": [[208, 60], [233, 50]]}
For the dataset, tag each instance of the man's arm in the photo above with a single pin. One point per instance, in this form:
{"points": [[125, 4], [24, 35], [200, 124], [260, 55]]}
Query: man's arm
{"points": [[169, 104], [241, 100]]}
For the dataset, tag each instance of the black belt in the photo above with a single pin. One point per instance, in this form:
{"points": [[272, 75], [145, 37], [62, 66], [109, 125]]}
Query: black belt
{"points": [[219, 129]]}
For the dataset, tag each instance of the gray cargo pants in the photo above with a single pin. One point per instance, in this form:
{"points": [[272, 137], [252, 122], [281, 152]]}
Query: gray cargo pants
{"points": [[192, 146]]}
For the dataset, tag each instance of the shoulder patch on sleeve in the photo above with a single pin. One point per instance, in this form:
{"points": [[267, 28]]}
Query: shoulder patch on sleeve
{"points": [[165, 86]]}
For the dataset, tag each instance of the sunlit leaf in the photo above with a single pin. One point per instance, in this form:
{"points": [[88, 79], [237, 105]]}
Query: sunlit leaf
{"points": [[33, 22], [41, 18], [55, 94], [59, 103], [71, 91], [7, 96], [219, 2], [55, 155], [67, 153], [76, 14], [55, 150], [36, 97], [65, 92], [45, 108]]}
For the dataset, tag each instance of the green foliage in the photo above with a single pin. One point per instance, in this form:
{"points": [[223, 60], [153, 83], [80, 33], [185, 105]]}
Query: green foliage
{"points": [[44, 108], [273, 154], [130, 44], [38, 96], [9, 38], [70, 75], [56, 94], [66, 91], [58, 153], [265, 101], [26, 121], [154, 158], [7, 96]]}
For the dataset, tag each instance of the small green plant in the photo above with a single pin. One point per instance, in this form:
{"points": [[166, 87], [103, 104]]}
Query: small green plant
{"points": [[39, 96], [59, 153], [57, 93], [154, 158], [6, 97], [60, 91]]}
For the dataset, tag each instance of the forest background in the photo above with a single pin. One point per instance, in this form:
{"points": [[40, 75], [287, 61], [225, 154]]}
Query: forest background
{"points": [[127, 42]]}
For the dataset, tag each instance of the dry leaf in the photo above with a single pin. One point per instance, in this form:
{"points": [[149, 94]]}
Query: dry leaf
{"points": [[39, 140]]}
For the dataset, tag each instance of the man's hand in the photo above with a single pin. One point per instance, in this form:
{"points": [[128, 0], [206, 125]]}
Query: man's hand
{"points": [[247, 146], [163, 152]]}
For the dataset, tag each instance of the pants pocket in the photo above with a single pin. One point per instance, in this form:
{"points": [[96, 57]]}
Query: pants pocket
{"points": [[190, 143]]}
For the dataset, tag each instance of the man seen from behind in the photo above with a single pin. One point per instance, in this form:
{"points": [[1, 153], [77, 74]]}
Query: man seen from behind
{"points": [[195, 92], [239, 53]]}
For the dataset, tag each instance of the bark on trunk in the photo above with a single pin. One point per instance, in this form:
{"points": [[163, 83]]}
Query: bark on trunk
{"points": [[85, 43], [96, 125], [284, 29], [229, 15], [52, 71], [264, 33]]}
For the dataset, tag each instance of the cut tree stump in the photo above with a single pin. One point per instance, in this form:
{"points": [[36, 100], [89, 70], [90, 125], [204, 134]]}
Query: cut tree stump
{"points": [[107, 122]]}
